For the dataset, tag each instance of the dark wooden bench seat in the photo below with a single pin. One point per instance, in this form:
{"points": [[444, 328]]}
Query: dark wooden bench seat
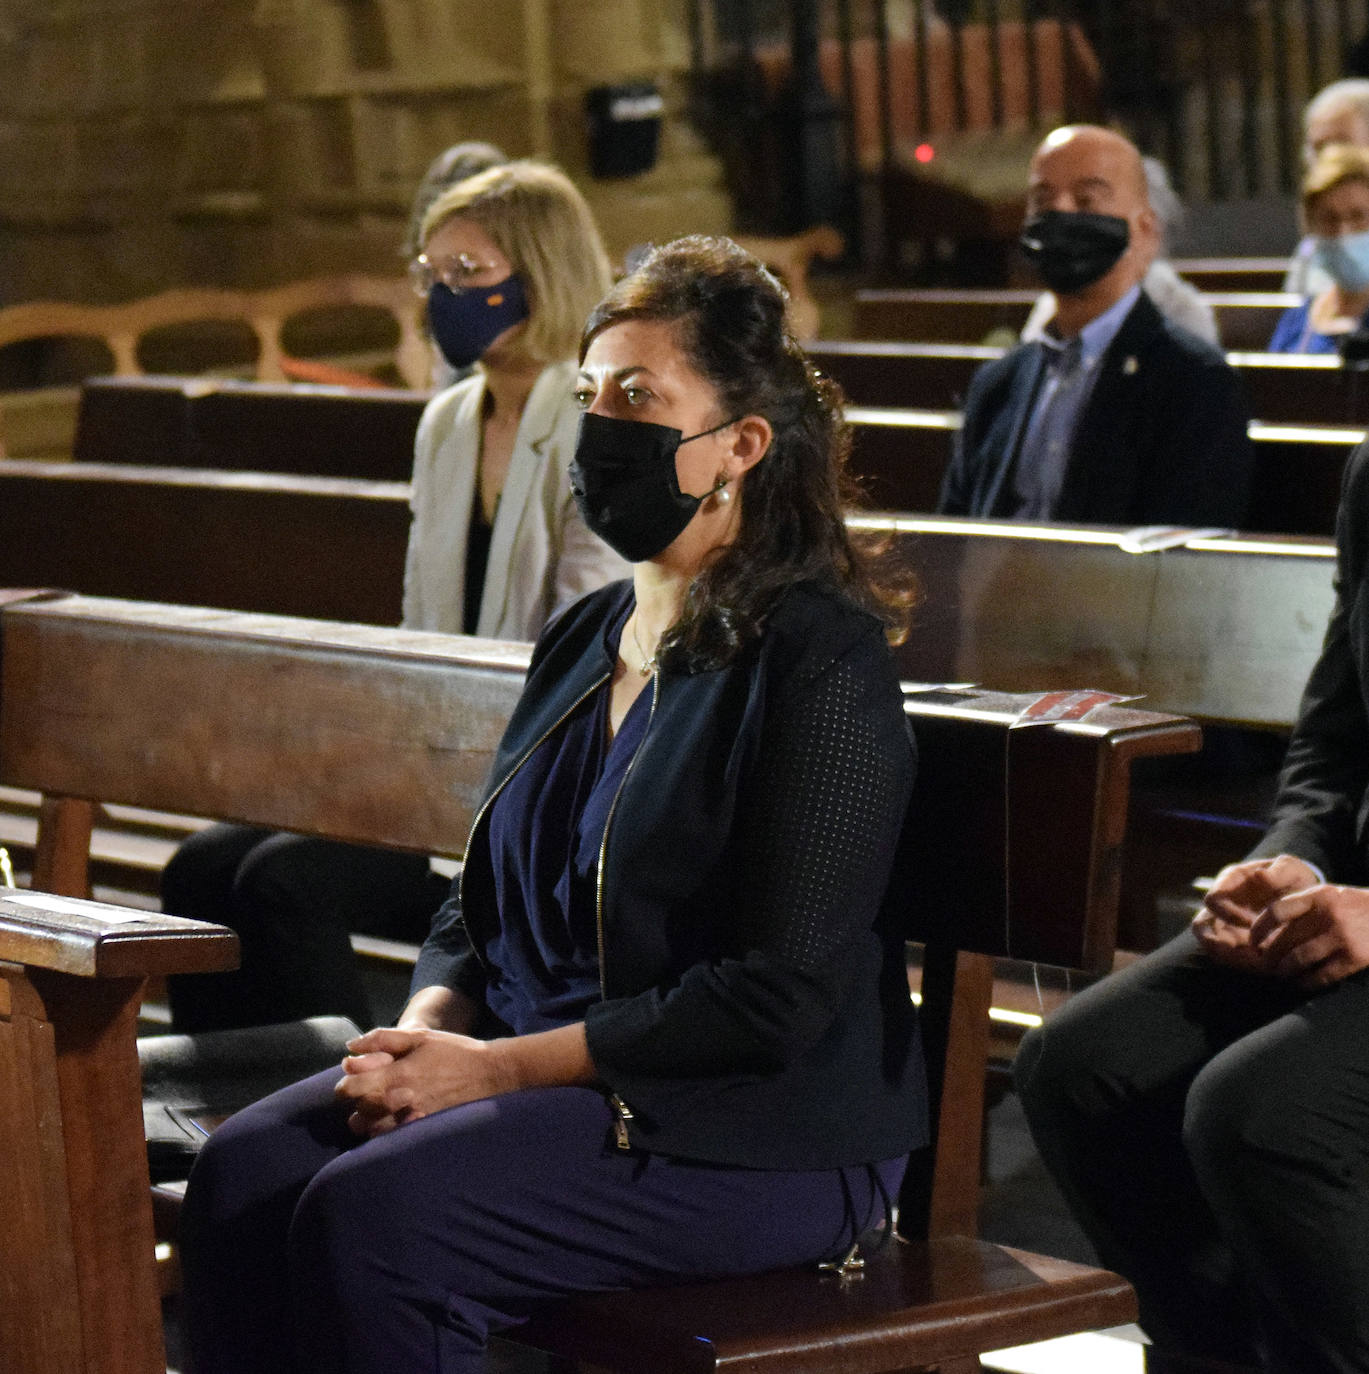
{"points": [[383, 737]]}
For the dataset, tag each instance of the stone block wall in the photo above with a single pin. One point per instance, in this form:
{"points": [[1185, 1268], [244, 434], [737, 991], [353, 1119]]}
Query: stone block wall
{"points": [[153, 143]]}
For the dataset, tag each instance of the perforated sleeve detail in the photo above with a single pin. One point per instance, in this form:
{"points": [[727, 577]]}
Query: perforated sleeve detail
{"points": [[825, 814]]}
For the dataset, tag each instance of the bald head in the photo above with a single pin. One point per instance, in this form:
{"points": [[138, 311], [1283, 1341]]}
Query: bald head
{"points": [[1083, 167], [1092, 164]]}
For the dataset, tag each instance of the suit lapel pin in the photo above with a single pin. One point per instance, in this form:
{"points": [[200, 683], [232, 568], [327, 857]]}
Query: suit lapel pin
{"points": [[1130, 366]]}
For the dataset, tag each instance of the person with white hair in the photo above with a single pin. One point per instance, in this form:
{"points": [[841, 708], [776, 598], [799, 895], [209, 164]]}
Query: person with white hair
{"points": [[1338, 113]]}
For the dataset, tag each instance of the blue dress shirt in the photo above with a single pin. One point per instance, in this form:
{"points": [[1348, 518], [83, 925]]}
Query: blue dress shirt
{"points": [[1067, 381]]}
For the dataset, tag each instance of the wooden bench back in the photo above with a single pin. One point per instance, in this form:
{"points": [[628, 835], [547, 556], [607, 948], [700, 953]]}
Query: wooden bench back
{"points": [[196, 422], [901, 457], [1232, 274], [267, 312], [1019, 606], [900, 452], [1283, 388], [324, 547], [380, 737], [1245, 319], [1225, 630]]}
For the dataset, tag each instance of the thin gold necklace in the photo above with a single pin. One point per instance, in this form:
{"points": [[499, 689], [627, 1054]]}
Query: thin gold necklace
{"points": [[648, 664]]}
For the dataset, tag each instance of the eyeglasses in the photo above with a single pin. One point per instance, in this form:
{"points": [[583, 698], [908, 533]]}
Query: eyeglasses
{"points": [[456, 273]]}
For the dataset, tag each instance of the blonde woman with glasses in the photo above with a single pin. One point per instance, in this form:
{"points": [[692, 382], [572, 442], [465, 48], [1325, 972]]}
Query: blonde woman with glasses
{"points": [[511, 264]]}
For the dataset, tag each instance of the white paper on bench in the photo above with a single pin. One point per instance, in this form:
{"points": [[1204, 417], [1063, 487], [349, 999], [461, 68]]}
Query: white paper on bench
{"points": [[73, 906]]}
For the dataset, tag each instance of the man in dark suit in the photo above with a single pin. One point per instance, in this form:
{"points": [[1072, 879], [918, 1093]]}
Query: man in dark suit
{"points": [[1118, 416], [1206, 1111]]}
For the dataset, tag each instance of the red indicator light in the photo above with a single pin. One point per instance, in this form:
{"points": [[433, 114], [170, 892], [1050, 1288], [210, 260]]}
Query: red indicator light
{"points": [[924, 152]]}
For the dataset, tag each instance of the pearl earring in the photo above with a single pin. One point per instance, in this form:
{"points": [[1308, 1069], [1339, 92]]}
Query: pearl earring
{"points": [[721, 492]]}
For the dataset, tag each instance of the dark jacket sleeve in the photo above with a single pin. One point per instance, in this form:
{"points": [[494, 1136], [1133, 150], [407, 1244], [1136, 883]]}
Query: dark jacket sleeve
{"points": [[817, 823], [1325, 775], [982, 400], [1203, 461], [446, 958]]}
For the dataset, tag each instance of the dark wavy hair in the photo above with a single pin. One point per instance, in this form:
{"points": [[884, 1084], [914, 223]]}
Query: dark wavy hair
{"points": [[729, 313]]}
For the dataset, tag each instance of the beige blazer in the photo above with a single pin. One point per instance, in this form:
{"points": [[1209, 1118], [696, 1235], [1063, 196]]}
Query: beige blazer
{"points": [[541, 554]]}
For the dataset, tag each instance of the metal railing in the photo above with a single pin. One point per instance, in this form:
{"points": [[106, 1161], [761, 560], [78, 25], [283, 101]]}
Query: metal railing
{"points": [[811, 101]]}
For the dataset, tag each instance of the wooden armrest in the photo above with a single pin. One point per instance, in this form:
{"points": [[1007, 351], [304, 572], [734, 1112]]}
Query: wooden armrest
{"points": [[93, 940]]}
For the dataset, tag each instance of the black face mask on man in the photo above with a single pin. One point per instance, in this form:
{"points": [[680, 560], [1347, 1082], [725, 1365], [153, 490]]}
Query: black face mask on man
{"points": [[624, 481], [1072, 249]]}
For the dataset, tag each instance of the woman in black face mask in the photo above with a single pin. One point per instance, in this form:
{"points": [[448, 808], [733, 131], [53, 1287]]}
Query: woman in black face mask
{"points": [[704, 1061]]}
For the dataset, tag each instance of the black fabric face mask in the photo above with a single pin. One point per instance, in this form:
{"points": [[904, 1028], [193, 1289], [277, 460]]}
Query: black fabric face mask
{"points": [[624, 481], [1072, 249]]}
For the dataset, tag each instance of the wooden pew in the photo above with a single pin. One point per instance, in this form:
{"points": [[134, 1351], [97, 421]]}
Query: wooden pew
{"points": [[325, 431], [901, 456], [384, 736], [349, 731], [76, 1240], [330, 548], [1281, 388], [1223, 630], [1232, 274], [1245, 319], [901, 451]]}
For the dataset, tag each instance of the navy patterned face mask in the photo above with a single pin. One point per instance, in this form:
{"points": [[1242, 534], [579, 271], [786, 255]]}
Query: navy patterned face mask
{"points": [[465, 323]]}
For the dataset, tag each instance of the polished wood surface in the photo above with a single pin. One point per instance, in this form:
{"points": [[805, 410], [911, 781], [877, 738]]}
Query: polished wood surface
{"points": [[1232, 274], [900, 457], [325, 431], [1245, 319], [1225, 630], [1285, 388], [377, 736], [330, 548], [916, 1306], [81, 1295]]}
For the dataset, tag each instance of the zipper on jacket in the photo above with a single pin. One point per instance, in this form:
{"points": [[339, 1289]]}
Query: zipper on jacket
{"points": [[622, 1114], [504, 782], [621, 1111]]}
